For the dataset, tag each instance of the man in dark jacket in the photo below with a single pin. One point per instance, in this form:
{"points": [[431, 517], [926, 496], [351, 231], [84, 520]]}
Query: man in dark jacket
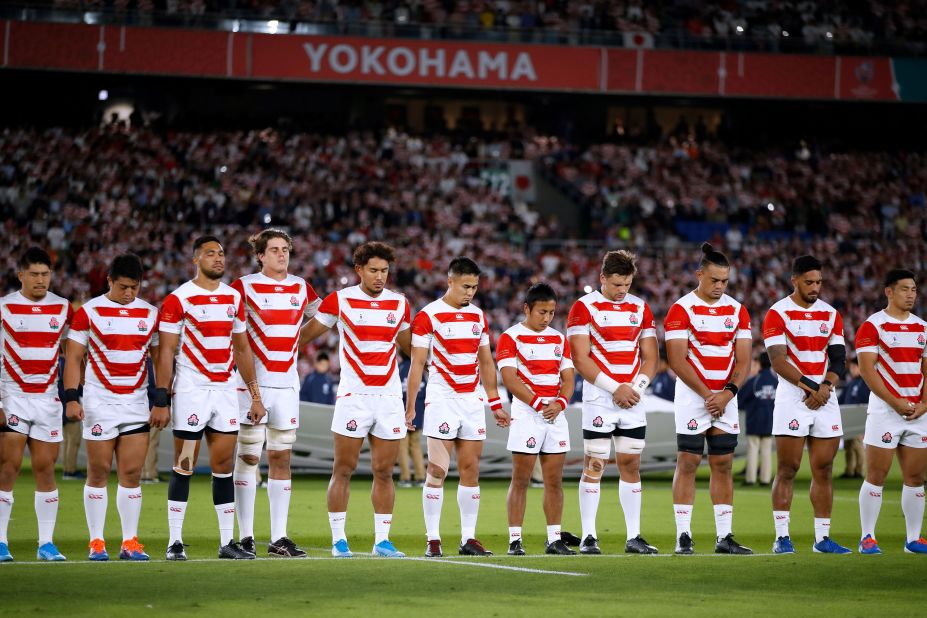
{"points": [[855, 392], [756, 398], [317, 387]]}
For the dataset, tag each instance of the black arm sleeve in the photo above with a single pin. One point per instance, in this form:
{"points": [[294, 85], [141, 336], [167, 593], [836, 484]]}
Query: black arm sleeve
{"points": [[837, 358]]}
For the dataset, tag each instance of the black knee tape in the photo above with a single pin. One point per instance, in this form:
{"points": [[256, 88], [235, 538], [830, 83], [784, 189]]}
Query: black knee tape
{"points": [[195, 436], [635, 433], [721, 443], [687, 443], [146, 428], [178, 489], [223, 489]]}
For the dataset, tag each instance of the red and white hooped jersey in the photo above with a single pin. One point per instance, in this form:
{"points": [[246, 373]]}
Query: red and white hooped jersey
{"points": [[31, 335], [453, 337], [806, 333], [368, 327], [117, 338], [615, 329], [711, 330], [901, 346], [537, 357], [205, 321], [274, 311]]}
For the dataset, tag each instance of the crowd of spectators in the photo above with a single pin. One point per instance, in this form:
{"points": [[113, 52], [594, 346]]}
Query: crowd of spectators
{"points": [[89, 195], [802, 25]]}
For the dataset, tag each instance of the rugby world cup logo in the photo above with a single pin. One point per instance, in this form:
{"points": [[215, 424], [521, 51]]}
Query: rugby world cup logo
{"points": [[444, 428]]}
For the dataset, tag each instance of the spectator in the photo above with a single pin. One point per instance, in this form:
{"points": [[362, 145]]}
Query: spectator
{"points": [[664, 382], [71, 433], [756, 397], [411, 445], [856, 392], [318, 387], [150, 467]]}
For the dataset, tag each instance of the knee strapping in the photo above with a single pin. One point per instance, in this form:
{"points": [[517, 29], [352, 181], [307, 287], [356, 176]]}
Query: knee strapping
{"points": [[185, 458], [597, 450], [628, 446], [439, 457], [687, 443], [721, 444], [280, 439], [250, 440]]}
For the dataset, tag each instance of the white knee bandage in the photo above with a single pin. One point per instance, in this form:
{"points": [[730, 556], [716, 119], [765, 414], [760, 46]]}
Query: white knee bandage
{"points": [[280, 439], [440, 457], [628, 446], [597, 450], [250, 440], [185, 458]]}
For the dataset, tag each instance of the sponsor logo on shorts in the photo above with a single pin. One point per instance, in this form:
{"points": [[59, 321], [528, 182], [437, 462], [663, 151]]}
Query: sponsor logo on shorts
{"points": [[444, 428], [294, 302], [54, 324], [923, 438], [233, 421], [230, 312], [391, 318], [793, 424], [692, 425], [475, 330], [53, 433], [12, 420], [563, 443], [735, 426], [142, 326], [597, 421], [352, 425], [193, 420], [531, 443], [397, 430], [96, 430], [824, 330], [887, 438], [481, 431], [293, 420], [729, 323], [835, 427]]}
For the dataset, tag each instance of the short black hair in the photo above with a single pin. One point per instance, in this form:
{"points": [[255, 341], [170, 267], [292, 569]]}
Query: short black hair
{"points": [[34, 255], [806, 263], [127, 265], [765, 363], [539, 293], [321, 356], [897, 274], [370, 250], [202, 240], [621, 262], [710, 256], [463, 266]]}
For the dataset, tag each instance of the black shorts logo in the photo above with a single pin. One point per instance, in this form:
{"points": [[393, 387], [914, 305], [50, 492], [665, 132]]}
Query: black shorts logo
{"points": [[444, 428], [352, 425], [597, 421], [96, 430]]}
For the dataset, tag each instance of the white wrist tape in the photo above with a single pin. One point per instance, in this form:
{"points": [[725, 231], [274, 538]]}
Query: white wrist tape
{"points": [[606, 383], [640, 384]]}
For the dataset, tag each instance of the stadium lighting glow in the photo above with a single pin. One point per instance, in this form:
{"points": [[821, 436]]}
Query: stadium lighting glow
{"points": [[587, 289], [223, 169], [770, 207], [236, 26], [829, 35], [103, 95], [740, 29], [344, 281], [267, 219], [272, 26]]}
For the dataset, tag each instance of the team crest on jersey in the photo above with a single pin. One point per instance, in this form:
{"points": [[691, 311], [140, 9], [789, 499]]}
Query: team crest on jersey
{"points": [[824, 330], [921, 340], [193, 420], [142, 326], [887, 438], [692, 425], [793, 424], [230, 312], [597, 421], [54, 324], [531, 443], [294, 302], [729, 323], [633, 319], [12, 420], [444, 428], [557, 351], [391, 318], [352, 425], [96, 430], [476, 329]]}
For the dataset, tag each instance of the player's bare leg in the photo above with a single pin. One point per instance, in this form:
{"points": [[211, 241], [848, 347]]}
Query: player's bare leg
{"points": [[383, 493], [12, 446], [131, 451], [789, 453], [347, 452], [468, 495], [439, 462], [821, 453], [522, 467]]}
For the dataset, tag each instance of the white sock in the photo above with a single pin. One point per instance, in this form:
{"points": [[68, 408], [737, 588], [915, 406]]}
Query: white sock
{"points": [[724, 517], [6, 507], [553, 533], [912, 505], [46, 512], [96, 499], [432, 501], [226, 515], [781, 522], [245, 490], [278, 493], [336, 522], [630, 496], [588, 507], [870, 503], [381, 525], [468, 501], [514, 533], [129, 505], [683, 519], [175, 514], [821, 528]]}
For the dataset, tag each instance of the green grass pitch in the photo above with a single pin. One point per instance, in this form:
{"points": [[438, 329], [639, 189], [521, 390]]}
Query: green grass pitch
{"points": [[612, 584]]}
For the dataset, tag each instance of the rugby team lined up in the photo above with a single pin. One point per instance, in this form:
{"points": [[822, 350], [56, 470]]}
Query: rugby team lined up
{"points": [[224, 359]]}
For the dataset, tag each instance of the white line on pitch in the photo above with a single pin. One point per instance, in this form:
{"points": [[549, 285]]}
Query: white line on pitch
{"points": [[489, 565]]}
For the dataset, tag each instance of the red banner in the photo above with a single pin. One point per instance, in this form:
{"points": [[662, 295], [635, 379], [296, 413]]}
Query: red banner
{"points": [[76, 47]]}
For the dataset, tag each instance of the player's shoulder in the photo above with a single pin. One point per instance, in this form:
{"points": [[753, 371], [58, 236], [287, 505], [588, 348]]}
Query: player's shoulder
{"points": [[514, 330], [550, 331], [877, 318], [53, 299], [141, 303], [730, 300], [918, 320], [782, 305], [687, 301], [435, 306], [820, 305], [588, 299]]}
